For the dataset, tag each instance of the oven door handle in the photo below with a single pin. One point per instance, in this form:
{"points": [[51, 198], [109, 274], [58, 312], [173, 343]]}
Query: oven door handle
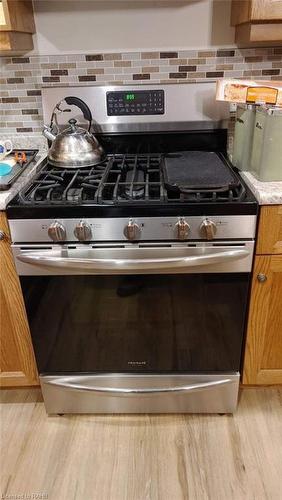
{"points": [[119, 264], [127, 391]]}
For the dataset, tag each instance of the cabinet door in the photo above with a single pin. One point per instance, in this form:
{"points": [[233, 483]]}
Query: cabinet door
{"points": [[263, 356], [270, 230], [17, 15], [266, 10], [245, 11], [17, 363]]}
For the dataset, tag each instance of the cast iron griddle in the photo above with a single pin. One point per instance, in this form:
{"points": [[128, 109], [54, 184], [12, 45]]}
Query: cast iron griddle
{"points": [[188, 171]]}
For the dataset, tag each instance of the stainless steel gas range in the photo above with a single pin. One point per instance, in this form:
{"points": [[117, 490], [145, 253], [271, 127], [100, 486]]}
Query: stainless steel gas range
{"points": [[136, 289]]}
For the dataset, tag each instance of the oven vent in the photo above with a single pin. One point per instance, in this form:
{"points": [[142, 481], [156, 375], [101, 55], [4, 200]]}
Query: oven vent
{"points": [[229, 244]]}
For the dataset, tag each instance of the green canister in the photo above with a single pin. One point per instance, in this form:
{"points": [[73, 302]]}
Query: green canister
{"points": [[243, 136], [266, 157]]}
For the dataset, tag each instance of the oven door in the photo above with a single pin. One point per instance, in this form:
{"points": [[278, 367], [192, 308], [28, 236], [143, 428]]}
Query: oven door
{"points": [[111, 327]]}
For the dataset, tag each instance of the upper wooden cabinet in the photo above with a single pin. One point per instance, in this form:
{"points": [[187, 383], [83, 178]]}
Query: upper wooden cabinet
{"points": [[244, 11], [257, 21], [16, 26], [17, 362]]}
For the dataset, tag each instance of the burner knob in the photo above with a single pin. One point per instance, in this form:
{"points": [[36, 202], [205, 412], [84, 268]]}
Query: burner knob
{"points": [[83, 231], [208, 229], [183, 229], [132, 230], [57, 231]]}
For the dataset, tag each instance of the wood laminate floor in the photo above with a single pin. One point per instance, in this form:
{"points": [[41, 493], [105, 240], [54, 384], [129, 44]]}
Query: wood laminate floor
{"points": [[142, 457]]}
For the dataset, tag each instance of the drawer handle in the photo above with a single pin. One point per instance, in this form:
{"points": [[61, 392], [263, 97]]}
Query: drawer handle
{"points": [[75, 385], [258, 125], [261, 278], [49, 260]]}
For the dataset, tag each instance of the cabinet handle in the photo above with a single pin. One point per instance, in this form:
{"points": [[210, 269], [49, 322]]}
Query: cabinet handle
{"points": [[261, 278], [2, 235], [258, 125]]}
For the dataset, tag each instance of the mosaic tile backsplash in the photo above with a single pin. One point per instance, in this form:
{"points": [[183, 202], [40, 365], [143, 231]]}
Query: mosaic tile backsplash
{"points": [[21, 78]]}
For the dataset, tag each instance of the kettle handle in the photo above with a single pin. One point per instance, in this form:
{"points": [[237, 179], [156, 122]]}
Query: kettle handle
{"points": [[71, 100]]}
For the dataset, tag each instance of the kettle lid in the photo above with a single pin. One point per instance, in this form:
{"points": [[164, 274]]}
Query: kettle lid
{"points": [[74, 129]]}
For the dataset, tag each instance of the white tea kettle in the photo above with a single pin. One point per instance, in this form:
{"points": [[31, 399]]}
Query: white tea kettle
{"points": [[74, 147]]}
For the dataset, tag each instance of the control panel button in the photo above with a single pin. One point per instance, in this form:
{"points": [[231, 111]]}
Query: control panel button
{"points": [[83, 231], [57, 232], [208, 229]]}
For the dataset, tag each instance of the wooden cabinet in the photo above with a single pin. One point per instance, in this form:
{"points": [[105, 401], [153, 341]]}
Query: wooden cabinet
{"points": [[244, 11], [257, 21], [263, 356], [16, 26], [17, 363], [270, 231], [265, 10]]}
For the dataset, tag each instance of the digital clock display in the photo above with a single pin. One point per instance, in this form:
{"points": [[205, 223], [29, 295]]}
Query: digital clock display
{"points": [[135, 102]]}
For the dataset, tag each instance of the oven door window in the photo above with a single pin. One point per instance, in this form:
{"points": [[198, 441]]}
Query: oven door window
{"points": [[145, 323]]}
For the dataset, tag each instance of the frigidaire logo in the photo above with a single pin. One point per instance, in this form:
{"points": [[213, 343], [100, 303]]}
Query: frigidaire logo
{"points": [[137, 363]]}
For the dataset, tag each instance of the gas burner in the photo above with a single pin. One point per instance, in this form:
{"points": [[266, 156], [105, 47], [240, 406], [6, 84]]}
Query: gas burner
{"points": [[122, 179], [133, 179], [56, 186]]}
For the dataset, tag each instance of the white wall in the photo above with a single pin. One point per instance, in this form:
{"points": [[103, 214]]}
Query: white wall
{"points": [[88, 26]]}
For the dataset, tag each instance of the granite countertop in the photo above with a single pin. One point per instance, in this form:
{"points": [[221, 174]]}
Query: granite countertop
{"points": [[267, 193], [24, 142], [23, 179]]}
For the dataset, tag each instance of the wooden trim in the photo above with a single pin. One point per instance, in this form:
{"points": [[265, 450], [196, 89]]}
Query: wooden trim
{"points": [[269, 377], [240, 12], [13, 379], [13, 319]]}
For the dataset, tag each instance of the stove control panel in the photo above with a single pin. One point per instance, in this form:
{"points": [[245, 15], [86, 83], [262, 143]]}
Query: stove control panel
{"points": [[124, 229], [135, 102]]}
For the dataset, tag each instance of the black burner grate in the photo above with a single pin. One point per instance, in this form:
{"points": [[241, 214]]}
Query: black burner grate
{"points": [[58, 186], [134, 179], [119, 180]]}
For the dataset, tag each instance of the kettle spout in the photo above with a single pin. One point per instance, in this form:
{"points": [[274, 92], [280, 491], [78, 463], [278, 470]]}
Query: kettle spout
{"points": [[47, 132]]}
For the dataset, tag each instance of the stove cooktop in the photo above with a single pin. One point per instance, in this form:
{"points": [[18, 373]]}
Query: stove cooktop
{"points": [[130, 184], [121, 180]]}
